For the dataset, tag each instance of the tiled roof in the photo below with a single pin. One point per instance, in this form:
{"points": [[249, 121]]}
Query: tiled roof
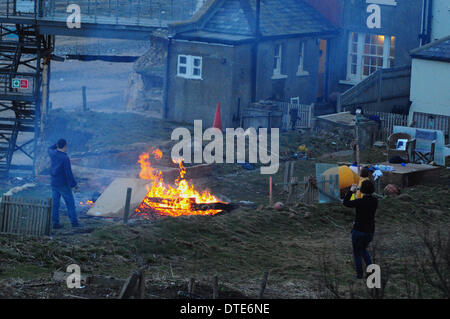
{"points": [[277, 18], [230, 18], [284, 17], [438, 50]]}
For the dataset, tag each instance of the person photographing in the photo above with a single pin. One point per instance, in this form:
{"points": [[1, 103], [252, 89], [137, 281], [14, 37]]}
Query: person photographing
{"points": [[62, 182], [364, 225]]}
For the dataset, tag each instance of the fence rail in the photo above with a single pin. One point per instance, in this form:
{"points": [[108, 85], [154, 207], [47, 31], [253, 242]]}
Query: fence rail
{"points": [[279, 116], [382, 90], [388, 121], [99, 10], [432, 122], [25, 216], [304, 115]]}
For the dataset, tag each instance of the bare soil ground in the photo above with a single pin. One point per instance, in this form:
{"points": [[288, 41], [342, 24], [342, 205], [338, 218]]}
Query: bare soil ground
{"points": [[306, 248]]}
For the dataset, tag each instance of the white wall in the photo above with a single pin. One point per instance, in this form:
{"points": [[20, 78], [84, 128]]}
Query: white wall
{"points": [[430, 87], [441, 19]]}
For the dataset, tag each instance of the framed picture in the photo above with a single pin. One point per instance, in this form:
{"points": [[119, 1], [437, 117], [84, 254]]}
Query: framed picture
{"points": [[401, 144]]}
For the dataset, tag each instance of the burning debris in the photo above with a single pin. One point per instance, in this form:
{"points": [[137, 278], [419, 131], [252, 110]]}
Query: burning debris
{"points": [[166, 200], [88, 203]]}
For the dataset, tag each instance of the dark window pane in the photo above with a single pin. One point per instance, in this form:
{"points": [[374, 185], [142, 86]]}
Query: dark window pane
{"points": [[380, 50], [366, 70]]}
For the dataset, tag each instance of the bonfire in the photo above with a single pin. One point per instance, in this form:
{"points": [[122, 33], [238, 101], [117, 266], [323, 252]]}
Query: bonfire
{"points": [[167, 200]]}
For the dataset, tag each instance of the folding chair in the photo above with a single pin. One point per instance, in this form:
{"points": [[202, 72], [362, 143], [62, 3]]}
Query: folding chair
{"points": [[423, 146]]}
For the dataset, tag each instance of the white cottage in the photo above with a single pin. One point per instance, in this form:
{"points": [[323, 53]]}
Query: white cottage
{"points": [[430, 85]]}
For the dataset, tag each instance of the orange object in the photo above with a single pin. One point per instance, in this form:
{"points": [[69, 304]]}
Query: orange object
{"points": [[346, 176], [278, 206], [218, 118]]}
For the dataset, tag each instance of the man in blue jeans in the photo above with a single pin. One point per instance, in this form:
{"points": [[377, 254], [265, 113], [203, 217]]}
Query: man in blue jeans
{"points": [[62, 182], [364, 226]]}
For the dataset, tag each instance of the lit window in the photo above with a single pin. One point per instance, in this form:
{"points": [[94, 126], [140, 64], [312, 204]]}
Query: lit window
{"points": [[392, 53], [368, 53], [189, 67]]}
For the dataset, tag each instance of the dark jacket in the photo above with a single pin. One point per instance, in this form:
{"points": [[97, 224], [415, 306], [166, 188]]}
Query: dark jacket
{"points": [[365, 212], [61, 170]]}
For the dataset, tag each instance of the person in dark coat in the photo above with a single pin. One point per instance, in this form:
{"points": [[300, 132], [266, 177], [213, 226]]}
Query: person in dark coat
{"points": [[62, 182], [293, 112], [364, 225]]}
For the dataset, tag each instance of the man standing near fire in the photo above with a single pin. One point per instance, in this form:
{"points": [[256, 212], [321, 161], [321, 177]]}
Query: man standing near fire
{"points": [[62, 182]]}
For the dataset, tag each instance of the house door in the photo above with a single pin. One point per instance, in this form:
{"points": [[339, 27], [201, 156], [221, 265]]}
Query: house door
{"points": [[322, 71]]}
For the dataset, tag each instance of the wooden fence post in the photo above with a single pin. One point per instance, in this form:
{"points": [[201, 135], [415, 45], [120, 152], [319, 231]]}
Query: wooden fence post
{"points": [[215, 287], [286, 177], [83, 90], [263, 284], [270, 191], [191, 286], [126, 212]]}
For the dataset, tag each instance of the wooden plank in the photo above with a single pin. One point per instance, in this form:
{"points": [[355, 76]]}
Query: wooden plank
{"points": [[130, 286], [141, 285], [191, 286], [270, 191], [215, 287], [49, 203], [286, 177], [25, 216], [263, 284], [2, 213], [33, 218]]}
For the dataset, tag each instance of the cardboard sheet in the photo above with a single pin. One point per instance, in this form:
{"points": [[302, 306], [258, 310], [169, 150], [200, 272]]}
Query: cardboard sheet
{"points": [[112, 202]]}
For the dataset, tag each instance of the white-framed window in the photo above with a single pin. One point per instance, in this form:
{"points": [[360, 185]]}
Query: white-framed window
{"points": [[301, 59], [190, 67], [278, 63], [277, 59], [368, 53]]}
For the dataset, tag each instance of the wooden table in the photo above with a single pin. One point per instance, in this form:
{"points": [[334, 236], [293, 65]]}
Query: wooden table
{"points": [[408, 175]]}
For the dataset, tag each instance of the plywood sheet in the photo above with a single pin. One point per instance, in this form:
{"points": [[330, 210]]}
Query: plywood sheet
{"points": [[112, 202]]}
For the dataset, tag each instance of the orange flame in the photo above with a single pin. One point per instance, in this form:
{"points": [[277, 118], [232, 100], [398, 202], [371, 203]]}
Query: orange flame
{"points": [[87, 203], [167, 200]]}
